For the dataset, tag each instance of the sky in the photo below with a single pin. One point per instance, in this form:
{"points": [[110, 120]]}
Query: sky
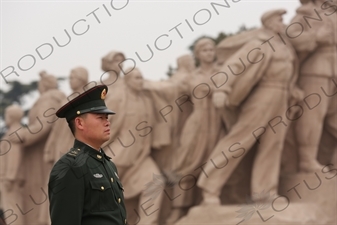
{"points": [[30, 31]]}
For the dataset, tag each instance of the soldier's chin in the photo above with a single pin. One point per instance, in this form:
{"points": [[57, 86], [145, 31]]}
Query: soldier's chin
{"points": [[106, 137]]}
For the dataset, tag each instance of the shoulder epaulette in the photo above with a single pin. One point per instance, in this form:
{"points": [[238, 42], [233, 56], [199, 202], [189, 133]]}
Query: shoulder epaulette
{"points": [[73, 152]]}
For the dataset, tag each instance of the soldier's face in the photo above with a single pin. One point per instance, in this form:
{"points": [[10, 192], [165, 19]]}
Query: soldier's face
{"points": [[96, 128]]}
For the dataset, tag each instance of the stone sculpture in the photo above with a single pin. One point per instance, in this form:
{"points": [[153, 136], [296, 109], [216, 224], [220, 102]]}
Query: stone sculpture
{"points": [[60, 138], [202, 129], [130, 147], [261, 92], [317, 46], [11, 169], [33, 137]]}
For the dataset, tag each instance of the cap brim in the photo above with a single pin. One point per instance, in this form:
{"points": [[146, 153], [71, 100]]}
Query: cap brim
{"points": [[103, 111]]}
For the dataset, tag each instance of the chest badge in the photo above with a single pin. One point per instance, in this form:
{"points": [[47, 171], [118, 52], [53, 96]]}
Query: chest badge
{"points": [[97, 175]]}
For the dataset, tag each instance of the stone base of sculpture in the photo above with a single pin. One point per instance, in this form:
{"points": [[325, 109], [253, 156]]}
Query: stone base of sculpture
{"points": [[294, 214], [304, 198]]}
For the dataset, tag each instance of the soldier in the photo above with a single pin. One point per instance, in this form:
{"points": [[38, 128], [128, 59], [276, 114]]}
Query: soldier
{"points": [[84, 187]]}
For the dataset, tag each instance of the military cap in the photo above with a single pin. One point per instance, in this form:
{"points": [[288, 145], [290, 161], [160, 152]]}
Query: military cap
{"points": [[272, 13], [90, 101]]}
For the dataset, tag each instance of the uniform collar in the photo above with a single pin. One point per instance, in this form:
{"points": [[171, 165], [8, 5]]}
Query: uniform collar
{"points": [[94, 153]]}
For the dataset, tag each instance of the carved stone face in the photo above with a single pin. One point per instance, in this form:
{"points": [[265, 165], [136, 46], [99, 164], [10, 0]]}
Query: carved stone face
{"points": [[186, 62], [276, 24], [75, 80], [41, 87], [206, 54], [135, 80], [46, 83], [115, 64]]}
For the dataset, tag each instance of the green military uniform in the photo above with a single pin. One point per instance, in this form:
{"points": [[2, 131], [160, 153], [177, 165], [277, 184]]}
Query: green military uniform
{"points": [[84, 188]]}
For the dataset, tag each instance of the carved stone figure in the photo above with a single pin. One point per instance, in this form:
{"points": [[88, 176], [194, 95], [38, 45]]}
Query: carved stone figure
{"points": [[112, 65], [60, 137], [41, 118], [130, 147], [265, 76], [175, 105], [202, 129], [185, 66], [317, 46], [11, 168]]}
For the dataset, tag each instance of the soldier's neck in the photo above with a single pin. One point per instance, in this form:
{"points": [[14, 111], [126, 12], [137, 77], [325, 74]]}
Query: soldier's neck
{"points": [[92, 145]]}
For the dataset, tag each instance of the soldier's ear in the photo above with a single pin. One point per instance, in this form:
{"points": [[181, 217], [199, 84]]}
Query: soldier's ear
{"points": [[79, 123]]}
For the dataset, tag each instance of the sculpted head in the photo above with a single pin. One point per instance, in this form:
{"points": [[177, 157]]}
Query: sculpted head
{"points": [[78, 78], [204, 50], [186, 62], [113, 61], [47, 82], [13, 114], [272, 20], [134, 79]]}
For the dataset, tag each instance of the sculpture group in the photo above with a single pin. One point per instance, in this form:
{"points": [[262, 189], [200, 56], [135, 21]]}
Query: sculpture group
{"points": [[178, 143]]}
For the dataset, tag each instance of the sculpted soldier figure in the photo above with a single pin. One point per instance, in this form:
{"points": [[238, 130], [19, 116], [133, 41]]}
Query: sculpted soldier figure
{"points": [[172, 91], [262, 93], [317, 46], [60, 138], [112, 65], [202, 129], [11, 169], [84, 187], [33, 137], [130, 145]]}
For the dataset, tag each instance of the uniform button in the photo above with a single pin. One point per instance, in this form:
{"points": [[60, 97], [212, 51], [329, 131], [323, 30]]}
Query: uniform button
{"points": [[112, 180], [78, 149], [99, 156], [102, 188], [119, 200]]}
